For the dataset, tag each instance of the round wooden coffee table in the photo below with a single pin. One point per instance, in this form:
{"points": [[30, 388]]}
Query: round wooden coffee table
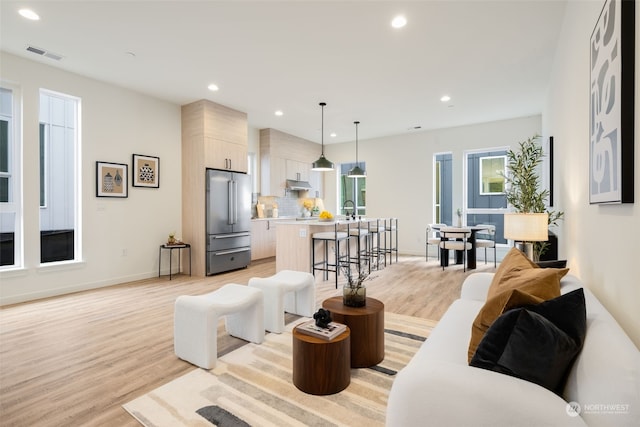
{"points": [[321, 366], [367, 329]]}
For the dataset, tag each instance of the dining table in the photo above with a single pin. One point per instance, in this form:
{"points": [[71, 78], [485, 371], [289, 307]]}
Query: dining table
{"points": [[471, 253]]}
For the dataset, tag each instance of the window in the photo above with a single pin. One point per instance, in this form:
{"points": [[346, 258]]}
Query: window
{"points": [[352, 191], [492, 172], [485, 200], [10, 175], [443, 190], [59, 172]]}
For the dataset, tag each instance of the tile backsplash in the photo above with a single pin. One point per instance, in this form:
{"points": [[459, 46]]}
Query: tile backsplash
{"points": [[288, 206]]}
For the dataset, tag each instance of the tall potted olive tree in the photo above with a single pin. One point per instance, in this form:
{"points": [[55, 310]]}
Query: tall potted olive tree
{"points": [[524, 190]]}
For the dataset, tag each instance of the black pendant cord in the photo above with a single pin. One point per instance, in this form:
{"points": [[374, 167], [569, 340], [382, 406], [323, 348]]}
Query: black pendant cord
{"points": [[322, 104], [357, 163]]}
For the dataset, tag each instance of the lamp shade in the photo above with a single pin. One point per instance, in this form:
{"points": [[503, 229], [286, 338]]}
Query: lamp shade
{"points": [[526, 227], [322, 164], [356, 171]]}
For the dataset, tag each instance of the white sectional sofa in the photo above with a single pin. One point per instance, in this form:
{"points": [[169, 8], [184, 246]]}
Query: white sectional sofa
{"points": [[439, 388]]}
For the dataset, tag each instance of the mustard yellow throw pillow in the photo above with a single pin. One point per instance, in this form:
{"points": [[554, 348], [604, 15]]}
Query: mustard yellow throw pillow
{"points": [[511, 273]]}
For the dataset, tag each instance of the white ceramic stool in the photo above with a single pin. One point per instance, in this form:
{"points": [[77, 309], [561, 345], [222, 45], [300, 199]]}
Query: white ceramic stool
{"points": [[195, 322], [290, 291]]}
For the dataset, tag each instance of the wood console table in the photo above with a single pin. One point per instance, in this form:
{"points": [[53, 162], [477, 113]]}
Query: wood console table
{"points": [[367, 329], [320, 366]]}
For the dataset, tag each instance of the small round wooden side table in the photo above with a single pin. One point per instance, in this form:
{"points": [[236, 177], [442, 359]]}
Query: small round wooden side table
{"points": [[367, 329], [320, 366]]}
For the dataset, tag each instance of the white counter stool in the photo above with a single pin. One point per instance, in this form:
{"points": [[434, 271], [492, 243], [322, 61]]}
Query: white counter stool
{"points": [[390, 245], [362, 237], [195, 322], [287, 290], [325, 266], [375, 250]]}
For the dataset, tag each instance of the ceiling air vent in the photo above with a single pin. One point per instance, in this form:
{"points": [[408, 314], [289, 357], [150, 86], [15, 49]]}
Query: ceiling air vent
{"points": [[43, 52]]}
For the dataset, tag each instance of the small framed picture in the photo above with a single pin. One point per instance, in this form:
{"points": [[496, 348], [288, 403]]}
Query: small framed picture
{"points": [[145, 171], [111, 180]]}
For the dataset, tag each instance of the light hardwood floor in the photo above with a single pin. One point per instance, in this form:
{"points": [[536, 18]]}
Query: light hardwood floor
{"points": [[74, 360]]}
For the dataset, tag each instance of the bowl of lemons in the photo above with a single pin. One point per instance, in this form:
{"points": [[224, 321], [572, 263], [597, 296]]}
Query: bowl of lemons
{"points": [[325, 216]]}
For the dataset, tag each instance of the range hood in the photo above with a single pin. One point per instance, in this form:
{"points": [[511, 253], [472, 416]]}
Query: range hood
{"points": [[296, 185]]}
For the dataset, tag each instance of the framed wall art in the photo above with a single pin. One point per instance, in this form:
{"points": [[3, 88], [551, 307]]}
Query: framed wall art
{"points": [[111, 180], [145, 171], [611, 113]]}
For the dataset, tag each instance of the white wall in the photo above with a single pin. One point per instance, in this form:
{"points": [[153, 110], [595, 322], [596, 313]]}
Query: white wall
{"points": [[400, 170], [600, 241], [121, 236]]}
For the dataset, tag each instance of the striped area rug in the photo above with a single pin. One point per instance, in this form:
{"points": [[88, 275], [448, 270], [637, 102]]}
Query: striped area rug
{"points": [[252, 386]]}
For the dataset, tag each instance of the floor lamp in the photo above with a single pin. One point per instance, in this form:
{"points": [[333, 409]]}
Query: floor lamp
{"points": [[526, 228]]}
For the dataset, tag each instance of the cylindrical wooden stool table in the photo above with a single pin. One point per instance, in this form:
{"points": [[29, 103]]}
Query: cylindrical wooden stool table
{"points": [[367, 329], [321, 366]]}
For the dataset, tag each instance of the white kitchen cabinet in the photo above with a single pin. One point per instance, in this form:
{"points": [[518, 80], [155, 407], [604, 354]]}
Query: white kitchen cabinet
{"points": [[226, 155], [298, 170], [315, 180], [284, 156], [263, 238], [273, 176]]}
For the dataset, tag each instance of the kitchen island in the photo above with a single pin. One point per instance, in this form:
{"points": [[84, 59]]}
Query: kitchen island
{"points": [[293, 240]]}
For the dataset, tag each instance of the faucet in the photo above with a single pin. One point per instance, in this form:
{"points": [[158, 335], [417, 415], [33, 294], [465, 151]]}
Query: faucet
{"points": [[353, 208]]}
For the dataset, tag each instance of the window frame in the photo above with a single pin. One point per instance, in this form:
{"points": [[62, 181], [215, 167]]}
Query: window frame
{"points": [[14, 204], [481, 177], [359, 209], [77, 174]]}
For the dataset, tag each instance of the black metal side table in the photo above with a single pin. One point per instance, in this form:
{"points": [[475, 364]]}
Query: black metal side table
{"points": [[171, 248]]}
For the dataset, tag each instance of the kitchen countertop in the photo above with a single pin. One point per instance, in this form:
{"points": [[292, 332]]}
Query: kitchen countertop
{"points": [[273, 219], [316, 221]]}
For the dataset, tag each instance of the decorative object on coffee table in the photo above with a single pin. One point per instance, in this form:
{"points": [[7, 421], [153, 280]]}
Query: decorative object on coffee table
{"points": [[354, 292], [322, 318]]}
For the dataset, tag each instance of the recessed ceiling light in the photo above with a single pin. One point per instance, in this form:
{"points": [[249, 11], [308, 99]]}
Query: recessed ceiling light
{"points": [[29, 14], [212, 87], [130, 54], [279, 113], [445, 98], [333, 135], [399, 21]]}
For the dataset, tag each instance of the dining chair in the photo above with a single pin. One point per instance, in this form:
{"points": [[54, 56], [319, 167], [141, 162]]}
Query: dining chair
{"points": [[487, 240], [456, 238], [433, 238]]}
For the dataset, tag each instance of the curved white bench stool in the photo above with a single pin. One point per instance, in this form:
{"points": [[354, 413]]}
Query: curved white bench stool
{"points": [[290, 291], [195, 322]]}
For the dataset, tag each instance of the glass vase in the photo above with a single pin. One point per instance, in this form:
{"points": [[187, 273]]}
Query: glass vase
{"points": [[354, 296]]}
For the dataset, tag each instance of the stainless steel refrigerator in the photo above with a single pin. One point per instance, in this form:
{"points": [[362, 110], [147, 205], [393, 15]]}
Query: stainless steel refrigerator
{"points": [[228, 221]]}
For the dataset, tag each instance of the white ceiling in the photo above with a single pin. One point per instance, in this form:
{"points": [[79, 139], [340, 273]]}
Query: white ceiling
{"points": [[492, 57]]}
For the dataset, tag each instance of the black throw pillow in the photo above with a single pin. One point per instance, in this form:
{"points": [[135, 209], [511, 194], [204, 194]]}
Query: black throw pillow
{"points": [[536, 343], [556, 263]]}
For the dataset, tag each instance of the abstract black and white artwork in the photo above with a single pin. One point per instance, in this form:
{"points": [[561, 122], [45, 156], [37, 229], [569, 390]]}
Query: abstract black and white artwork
{"points": [[611, 104]]}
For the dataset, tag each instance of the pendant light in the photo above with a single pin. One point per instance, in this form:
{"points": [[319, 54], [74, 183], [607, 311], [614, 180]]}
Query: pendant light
{"points": [[356, 171], [322, 164]]}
